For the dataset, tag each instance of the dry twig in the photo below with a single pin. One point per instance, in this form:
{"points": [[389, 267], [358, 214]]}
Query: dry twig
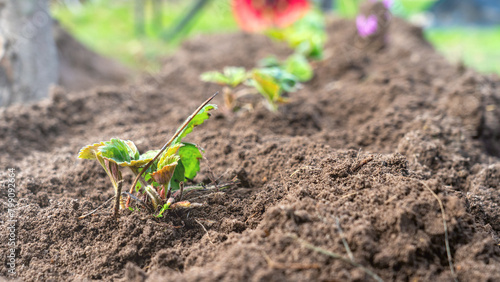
{"points": [[446, 241], [96, 209], [208, 235], [335, 256], [344, 241], [296, 266]]}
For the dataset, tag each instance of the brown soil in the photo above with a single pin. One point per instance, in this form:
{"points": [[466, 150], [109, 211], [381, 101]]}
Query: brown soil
{"points": [[358, 143], [81, 68]]}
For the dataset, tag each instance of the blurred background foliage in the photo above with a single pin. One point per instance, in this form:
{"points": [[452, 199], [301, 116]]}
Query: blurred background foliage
{"points": [[138, 33], [113, 28]]}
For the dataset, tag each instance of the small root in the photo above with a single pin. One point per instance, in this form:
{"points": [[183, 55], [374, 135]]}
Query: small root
{"points": [[362, 163], [344, 241], [446, 241], [348, 195], [307, 245], [295, 266], [252, 216], [98, 208], [208, 235]]}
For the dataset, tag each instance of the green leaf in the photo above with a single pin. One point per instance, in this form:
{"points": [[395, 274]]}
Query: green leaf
{"points": [[298, 66], [267, 86], [311, 47], [165, 207], [200, 118], [190, 156], [123, 153], [166, 169], [165, 159], [269, 62], [178, 177], [271, 83], [149, 155], [232, 76], [117, 150], [295, 68], [307, 36], [134, 153], [276, 33], [176, 168], [286, 81]]}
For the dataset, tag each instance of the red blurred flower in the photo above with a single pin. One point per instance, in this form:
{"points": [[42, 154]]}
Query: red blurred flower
{"points": [[258, 15]]}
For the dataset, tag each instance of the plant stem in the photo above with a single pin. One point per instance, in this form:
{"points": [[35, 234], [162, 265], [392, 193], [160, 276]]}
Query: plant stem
{"points": [[181, 191], [153, 194], [118, 197], [113, 181], [201, 187], [143, 181], [177, 133]]}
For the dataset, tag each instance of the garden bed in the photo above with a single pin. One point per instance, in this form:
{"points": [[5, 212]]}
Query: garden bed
{"points": [[359, 143]]}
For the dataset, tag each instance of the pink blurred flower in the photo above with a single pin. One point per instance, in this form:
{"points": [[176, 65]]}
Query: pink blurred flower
{"points": [[258, 15], [387, 3], [366, 25]]}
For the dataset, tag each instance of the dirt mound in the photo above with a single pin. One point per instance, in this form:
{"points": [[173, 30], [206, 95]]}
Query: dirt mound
{"points": [[359, 144], [81, 68]]}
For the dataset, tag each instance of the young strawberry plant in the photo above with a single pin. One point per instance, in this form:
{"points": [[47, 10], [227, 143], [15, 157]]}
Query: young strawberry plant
{"points": [[159, 174], [296, 65], [284, 20], [288, 20], [306, 36], [271, 80], [230, 78]]}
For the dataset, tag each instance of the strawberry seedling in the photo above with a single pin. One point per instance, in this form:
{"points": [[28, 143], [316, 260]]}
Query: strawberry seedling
{"points": [[306, 36], [231, 76], [159, 172], [296, 65], [282, 20], [271, 81]]}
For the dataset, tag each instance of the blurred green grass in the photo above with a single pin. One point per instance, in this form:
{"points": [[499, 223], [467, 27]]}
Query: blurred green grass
{"points": [[108, 27], [478, 48], [402, 8]]}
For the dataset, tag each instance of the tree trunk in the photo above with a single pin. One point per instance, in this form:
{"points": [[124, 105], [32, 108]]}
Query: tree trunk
{"points": [[28, 56]]}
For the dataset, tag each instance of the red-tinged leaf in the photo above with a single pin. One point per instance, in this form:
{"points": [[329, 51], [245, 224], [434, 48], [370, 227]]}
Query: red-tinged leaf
{"points": [[164, 174]]}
